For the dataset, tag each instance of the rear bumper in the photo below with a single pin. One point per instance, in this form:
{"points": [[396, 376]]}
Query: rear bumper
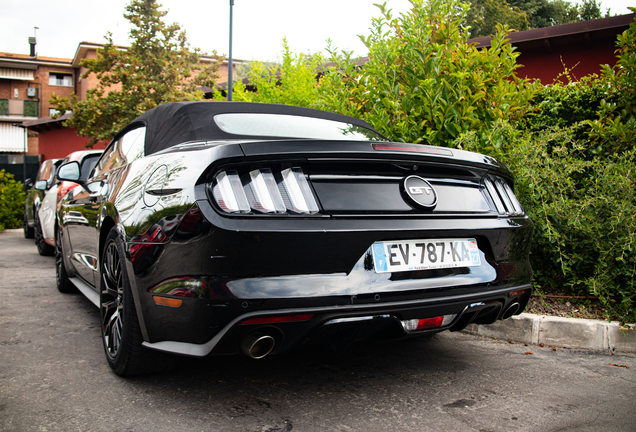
{"points": [[358, 321]]}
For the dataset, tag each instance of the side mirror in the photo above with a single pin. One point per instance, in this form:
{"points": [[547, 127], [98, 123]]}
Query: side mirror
{"points": [[41, 185], [69, 171], [28, 183]]}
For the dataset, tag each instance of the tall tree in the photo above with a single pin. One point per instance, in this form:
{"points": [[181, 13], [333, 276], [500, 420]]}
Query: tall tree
{"points": [[484, 15], [158, 67], [546, 13]]}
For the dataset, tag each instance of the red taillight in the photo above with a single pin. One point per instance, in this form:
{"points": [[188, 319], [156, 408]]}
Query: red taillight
{"points": [[278, 319], [427, 323], [264, 191]]}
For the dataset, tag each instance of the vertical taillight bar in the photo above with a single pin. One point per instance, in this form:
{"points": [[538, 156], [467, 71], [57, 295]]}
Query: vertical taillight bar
{"points": [[298, 190], [267, 197], [229, 193]]}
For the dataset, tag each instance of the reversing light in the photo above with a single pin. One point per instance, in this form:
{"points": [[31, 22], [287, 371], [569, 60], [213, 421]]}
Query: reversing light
{"points": [[229, 193], [427, 323], [298, 191], [278, 319], [266, 197]]}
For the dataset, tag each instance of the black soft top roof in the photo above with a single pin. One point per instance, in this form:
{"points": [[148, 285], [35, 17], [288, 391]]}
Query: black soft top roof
{"points": [[178, 122]]}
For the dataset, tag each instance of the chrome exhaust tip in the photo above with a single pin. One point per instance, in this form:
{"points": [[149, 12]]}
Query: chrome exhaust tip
{"points": [[512, 309], [257, 345]]}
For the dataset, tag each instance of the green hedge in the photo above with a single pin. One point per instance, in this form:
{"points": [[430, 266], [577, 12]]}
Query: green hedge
{"points": [[4, 106], [584, 210], [12, 199]]}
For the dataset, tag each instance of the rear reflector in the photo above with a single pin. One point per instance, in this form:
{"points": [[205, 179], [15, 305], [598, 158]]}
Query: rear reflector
{"points": [[427, 323], [278, 319], [514, 293]]}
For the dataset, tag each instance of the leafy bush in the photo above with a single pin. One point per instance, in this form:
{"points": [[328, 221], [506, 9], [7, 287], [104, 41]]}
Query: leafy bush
{"points": [[4, 106], [584, 211], [11, 201], [615, 128], [424, 84], [291, 83]]}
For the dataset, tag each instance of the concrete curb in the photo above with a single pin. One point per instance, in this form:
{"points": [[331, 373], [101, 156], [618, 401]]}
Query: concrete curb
{"points": [[561, 332]]}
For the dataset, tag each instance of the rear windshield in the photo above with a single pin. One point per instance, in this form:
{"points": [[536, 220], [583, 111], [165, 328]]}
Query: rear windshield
{"points": [[290, 126]]}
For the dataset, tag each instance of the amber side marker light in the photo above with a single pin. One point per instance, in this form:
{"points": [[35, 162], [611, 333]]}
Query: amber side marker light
{"points": [[278, 319], [165, 301], [514, 293]]}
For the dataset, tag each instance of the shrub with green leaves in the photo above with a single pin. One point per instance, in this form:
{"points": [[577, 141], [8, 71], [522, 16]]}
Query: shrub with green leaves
{"points": [[291, 83], [424, 84], [615, 128], [584, 210], [11, 201]]}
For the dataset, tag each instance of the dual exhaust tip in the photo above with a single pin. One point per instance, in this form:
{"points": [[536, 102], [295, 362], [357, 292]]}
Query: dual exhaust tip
{"points": [[512, 309], [257, 345]]}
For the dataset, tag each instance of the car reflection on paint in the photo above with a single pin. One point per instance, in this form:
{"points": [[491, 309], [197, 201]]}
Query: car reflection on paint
{"points": [[221, 228]]}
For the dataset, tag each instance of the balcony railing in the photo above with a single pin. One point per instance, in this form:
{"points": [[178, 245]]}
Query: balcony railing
{"points": [[19, 108]]}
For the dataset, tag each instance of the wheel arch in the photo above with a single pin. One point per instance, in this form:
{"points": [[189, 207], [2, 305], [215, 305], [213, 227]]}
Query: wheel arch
{"points": [[107, 224]]}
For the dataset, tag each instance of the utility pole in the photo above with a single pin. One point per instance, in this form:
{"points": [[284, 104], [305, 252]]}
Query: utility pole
{"points": [[229, 62]]}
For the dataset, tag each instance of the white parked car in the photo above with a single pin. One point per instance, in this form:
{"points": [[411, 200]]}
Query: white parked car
{"points": [[45, 222]]}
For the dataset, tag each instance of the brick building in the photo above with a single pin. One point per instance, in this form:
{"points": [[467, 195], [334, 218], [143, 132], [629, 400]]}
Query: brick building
{"points": [[581, 47], [27, 82]]}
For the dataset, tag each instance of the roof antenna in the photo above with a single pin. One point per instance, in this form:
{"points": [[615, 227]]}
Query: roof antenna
{"points": [[32, 42]]}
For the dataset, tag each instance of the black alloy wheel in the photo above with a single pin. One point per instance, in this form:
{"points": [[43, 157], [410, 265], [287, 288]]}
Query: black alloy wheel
{"points": [[121, 333], [28, 231], [44, 248], [64, 285], [112, 300]]}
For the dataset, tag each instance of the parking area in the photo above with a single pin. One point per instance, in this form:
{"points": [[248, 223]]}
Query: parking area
{"points": [[53, 377]]}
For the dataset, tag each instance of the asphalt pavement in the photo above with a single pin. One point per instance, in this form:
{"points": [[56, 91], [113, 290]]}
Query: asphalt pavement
{"points": [[53, 377]]}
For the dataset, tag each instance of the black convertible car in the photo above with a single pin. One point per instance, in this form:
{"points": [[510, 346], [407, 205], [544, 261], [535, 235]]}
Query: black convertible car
{"points": [[221, 227]]}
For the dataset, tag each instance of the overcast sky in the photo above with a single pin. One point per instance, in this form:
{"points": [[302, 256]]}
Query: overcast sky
{"points": [[259, 25]]}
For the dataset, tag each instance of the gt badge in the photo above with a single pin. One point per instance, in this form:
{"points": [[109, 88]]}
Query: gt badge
{"points": [[419, 192]]}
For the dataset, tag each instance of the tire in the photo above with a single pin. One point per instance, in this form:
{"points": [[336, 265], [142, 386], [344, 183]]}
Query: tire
{"points": [[64, 285], [121, 334], [44, 249], [28, 231]]}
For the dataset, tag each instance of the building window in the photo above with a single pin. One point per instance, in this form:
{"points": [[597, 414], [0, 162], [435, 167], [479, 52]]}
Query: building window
{"points": [[53, 111], [15, 159], [61, 79]]}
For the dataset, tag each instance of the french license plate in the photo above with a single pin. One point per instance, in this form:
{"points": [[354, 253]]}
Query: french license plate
{"points": [[411, 255]]}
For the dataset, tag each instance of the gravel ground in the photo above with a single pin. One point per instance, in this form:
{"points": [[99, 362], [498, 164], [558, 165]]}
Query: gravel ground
{"points": [[567, 307]]}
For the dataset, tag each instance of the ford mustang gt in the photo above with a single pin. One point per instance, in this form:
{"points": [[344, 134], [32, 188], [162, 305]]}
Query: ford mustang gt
{"points": [[225, 227]]}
